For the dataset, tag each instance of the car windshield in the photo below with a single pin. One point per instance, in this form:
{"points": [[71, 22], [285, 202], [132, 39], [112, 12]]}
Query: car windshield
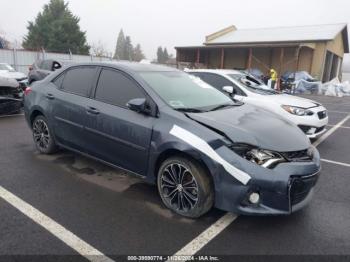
{"points": [[7, 67], [253, 84], [185, 92]]}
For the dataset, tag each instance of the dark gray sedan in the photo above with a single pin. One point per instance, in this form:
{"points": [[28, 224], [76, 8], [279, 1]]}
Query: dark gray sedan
{"points": [[201, 148]]}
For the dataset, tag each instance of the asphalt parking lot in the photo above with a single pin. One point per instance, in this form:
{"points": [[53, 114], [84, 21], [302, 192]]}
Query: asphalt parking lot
{"points": [[112, 215]]}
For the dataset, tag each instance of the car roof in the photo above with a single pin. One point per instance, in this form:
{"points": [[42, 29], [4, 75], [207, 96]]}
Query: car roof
{"points": [[215, 71], [130, 66]]}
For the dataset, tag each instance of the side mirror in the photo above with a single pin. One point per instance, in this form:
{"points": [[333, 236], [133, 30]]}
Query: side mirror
{"points": [[138, 105], [228, 89]]}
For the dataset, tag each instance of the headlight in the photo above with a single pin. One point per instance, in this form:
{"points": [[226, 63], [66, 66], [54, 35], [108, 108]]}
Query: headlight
{"points": [[262, 157], [297, 110]]}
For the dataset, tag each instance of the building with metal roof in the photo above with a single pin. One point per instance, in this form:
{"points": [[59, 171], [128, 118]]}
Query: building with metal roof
{"points": [[318, 49]]}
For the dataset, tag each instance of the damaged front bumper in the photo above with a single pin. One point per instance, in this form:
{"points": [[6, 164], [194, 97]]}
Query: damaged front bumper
{"points": [[282, 190], [10, 105]]}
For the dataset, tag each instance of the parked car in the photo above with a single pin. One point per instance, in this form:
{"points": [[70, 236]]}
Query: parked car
{"points": [[11, 96], [310, 116], [42, 68], [8, 71], [200, 147]]}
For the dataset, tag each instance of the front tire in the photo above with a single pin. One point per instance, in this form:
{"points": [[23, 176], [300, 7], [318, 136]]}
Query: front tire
{"points": [[42, 136], [185, 187]]}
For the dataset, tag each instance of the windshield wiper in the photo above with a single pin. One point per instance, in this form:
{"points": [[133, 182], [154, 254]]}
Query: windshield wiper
{"points": [[189, 110], [222, 106]]}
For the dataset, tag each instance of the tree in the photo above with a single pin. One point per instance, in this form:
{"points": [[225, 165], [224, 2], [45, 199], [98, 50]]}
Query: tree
{"points": [[120, 47], [99, 50], [160, 55], [166, 55], [56, 29], [128, 49], [124, 49], [4, 43], [138, 54]]}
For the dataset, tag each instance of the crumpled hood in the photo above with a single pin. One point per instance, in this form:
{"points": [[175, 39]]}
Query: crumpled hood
{"points": [[255, 126], [13, 75], [8, 82], [284, 99]]}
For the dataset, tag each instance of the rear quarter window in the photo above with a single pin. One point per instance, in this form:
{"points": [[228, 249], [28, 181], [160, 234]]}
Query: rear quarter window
{"points": [[79, 80], [58, 81]]}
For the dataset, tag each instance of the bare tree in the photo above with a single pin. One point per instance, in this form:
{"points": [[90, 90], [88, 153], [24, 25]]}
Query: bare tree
{"points": [[98, 49]]}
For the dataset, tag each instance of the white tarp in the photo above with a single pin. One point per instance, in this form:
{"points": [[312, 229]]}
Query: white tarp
{"points": [[331, 88]]}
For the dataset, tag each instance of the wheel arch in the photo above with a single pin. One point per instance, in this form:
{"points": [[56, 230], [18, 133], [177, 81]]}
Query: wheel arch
{"points": [[36, 112], [195, 157]]}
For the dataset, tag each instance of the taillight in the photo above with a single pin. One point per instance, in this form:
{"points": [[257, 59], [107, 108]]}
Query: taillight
{"points": [[27, 91]]}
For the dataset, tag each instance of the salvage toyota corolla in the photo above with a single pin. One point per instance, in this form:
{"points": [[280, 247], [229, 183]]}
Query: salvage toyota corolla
{"points": [[201, 148]]}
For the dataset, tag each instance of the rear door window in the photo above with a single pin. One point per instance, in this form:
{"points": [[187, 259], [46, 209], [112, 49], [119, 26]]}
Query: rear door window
{"points": [[116, 88], [79, 80]]}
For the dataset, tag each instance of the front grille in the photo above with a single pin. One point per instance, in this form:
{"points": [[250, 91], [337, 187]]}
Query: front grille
{"points": [[322, 114], [319, 129], [300, 188], [297, 156], [9, 106], [305, 129]]}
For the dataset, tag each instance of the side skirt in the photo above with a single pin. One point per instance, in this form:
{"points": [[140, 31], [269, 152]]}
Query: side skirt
{"points": [[100, 160]]}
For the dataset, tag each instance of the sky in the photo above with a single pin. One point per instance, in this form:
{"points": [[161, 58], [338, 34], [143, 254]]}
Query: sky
{"points": [[154, 23]]}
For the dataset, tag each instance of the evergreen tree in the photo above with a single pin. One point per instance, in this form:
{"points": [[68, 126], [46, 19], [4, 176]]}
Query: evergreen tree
{"points": [[165, 55], [138, 54], [128, 49], [120, 47], [56, 29], [160, 55]]}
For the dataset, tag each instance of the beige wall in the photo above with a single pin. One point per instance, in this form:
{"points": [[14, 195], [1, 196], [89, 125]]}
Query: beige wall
{"points": [[318, 60], [305, 59], [336, 46]]}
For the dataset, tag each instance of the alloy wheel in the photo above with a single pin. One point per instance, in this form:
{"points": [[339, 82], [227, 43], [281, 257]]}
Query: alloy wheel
{"points": [[179, 187], [41, 134]]}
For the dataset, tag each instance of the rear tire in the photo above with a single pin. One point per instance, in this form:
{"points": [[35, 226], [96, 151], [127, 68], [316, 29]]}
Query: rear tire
{"points": [[42, 136], [185, 187]]}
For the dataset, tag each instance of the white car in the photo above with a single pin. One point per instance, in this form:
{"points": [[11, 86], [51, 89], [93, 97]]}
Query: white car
{"points": [[311, 117], [9, 72]]}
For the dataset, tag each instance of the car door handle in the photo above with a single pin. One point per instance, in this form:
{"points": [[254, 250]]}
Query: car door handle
{"points": [[92, 110], [50, 96]]}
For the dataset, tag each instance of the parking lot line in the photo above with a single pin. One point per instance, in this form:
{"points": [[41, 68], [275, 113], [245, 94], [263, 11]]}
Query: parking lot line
{"points": [[54, 228], [330, 131], [206, 236], [340, 126], [335, 162]]}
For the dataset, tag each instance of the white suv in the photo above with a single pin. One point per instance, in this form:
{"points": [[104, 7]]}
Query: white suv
{"points": [[308, 115]]}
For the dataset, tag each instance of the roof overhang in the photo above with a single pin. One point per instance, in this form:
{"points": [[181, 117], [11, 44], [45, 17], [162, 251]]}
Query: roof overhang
{"points": [[244, 45]]}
